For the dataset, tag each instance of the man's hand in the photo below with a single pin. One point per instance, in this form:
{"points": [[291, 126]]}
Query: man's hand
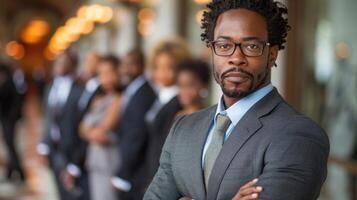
{"points": [[185, 198], [248, 191], [68, 180]]}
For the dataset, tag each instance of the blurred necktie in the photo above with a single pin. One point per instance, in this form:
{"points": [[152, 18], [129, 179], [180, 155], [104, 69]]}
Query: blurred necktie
{"points": [[215, 146]]}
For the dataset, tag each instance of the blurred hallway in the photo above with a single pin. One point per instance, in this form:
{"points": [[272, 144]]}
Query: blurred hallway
{"points": [[39, 184]]}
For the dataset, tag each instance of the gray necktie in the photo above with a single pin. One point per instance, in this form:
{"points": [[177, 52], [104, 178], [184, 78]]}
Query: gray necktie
{"points": [[216, 144]]}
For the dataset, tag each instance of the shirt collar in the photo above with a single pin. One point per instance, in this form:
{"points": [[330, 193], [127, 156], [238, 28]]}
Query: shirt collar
{"points": [[92, 84], [238, 109], [167, 93], [134, 85]]}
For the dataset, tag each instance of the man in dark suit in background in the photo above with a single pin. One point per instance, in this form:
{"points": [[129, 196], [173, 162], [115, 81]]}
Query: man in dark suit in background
{"points": [[60, 120], [132, 133], [75, 176], [252, 132], [10, 112]]}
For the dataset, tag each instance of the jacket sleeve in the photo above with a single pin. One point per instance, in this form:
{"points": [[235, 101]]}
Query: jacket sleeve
{"points": [[295, 162], [163, 185]]}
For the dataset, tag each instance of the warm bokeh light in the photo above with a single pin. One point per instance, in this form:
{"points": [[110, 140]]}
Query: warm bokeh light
{"points": [[146, 14], [202, 1], [15, 50], [199, 16], [35, 31], [146, 18], [82, 24]]}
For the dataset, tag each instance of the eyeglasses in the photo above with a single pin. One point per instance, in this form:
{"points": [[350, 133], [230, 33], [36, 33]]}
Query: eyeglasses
{"points": [[250, 48]]}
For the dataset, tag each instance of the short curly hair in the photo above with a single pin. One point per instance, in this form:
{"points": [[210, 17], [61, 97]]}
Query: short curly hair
{"points": [[274, 12]]}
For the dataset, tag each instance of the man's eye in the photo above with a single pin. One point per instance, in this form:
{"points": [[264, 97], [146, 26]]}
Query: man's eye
{"points": [[224, 46], [252, 46]]}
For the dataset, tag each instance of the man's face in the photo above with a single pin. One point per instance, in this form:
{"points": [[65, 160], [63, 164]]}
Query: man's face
{"points": [[90, 65], [238, 74], [129, 69], [62, 66]]}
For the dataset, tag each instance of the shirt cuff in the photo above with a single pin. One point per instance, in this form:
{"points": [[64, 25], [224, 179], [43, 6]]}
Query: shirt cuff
{"points": [[43, 149], [73, 170], [121, 184]]}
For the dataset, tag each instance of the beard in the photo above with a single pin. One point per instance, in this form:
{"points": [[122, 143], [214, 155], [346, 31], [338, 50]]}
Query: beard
{"points": [[255, 82]]}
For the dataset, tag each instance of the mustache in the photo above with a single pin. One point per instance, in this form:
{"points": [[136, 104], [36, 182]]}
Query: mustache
{"points": [[236, 69]]}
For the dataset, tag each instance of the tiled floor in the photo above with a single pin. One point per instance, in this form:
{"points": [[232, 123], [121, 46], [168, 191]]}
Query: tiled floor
{"points": [[39, 184]]}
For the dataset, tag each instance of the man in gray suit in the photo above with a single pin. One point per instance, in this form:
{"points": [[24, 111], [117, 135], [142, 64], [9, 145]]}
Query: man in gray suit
{"points": [[252, 133]]}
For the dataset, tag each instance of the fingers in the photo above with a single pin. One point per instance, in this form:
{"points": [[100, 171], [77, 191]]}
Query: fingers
{"points": [[249, 191], [250, 184], [250, 197]]}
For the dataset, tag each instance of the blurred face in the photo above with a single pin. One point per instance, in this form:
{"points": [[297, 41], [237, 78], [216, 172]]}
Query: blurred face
{"points": [[238, 74], [107, 76], [90, 64], [164, 70], [129, 69], [189, 88], [62, 66]]}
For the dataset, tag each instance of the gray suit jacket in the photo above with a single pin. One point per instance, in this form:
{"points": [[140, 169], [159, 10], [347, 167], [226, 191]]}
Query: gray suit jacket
{"points": [[284, 149]]}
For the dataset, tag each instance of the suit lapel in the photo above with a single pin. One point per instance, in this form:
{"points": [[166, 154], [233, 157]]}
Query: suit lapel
{"points": [[203, 126], [245, 129]]}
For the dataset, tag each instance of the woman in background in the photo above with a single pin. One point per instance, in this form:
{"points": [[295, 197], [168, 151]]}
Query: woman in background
{"points": [[102, 156], [192, 79], [166, 56]]}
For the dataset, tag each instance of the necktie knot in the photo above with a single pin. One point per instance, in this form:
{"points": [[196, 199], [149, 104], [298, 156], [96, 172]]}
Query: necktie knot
{"points": [[222, 123]]}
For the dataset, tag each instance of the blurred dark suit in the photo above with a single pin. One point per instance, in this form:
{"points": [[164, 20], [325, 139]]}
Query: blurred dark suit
{"points": [[10, 112], [132, 133], [158, 130], [60, 131], [79, 151]]}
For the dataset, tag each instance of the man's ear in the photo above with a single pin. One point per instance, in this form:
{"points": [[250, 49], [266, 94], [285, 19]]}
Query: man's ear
{"points": [[273, 55]]}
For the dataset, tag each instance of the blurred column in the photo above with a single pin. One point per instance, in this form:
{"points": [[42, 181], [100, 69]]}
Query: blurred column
{"points": [[126, 36], [165, 25]]}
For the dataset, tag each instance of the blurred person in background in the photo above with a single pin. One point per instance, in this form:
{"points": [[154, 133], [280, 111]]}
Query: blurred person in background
{"points": [[166, 56], [97, 128], [75, 176], [10, 112], [60, 121], [340, 119], [193, 77], [132, 131]]}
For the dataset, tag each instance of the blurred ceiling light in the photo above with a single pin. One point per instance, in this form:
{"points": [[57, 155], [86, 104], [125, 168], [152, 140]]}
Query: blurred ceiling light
{"points": [[107, 15], [87, 28], [146, 14], [199, 16], [202, 1], [146, 19], [15, 50], [35, 31], [82, 11], [82, 24]]}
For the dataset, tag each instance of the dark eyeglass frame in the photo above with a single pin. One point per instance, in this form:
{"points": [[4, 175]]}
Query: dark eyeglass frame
{"points": [[264, 43]]}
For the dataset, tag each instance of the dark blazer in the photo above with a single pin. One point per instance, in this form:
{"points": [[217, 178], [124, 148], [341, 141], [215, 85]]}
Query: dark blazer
{"points": [[79, 151], [10, 99], [284, 149], [158, 131], [65, 118], [132, 134]]}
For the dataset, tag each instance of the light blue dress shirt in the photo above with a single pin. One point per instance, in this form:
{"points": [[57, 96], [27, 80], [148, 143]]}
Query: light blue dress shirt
{"points": [[235, 113]]}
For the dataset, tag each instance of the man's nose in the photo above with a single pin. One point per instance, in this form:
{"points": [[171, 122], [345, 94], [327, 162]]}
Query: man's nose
{"points": [[237, 58]]}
